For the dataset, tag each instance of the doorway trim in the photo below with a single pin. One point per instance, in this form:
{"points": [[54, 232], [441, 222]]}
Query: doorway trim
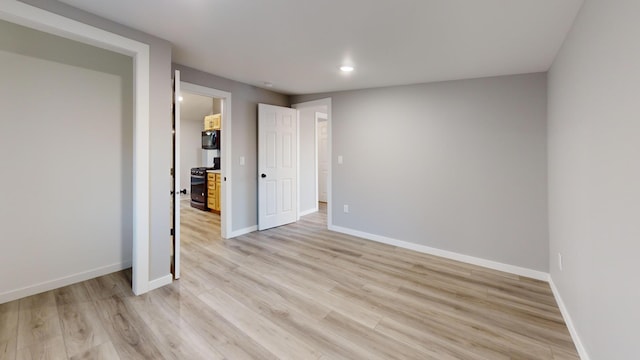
{"points": [[39, 19], [226, 160], [321, 102]]}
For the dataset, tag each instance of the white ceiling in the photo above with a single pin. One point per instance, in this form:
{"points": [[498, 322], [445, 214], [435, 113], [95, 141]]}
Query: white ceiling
{"points": [[299, 45]]}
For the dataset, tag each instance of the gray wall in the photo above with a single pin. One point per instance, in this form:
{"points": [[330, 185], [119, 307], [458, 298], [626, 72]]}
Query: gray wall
{"points": [[160, 124], [244, 112], [308, 170], [66, 149], [217, 106], [459, 166], [594, 176]]}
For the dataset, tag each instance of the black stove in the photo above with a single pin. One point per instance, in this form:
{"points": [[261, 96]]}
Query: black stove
{"points": [[199, 184], [199, 187]]}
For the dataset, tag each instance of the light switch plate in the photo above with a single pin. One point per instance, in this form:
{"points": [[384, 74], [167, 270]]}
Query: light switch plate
{"points": [[339, 159], [560, 263], [241, 160]]}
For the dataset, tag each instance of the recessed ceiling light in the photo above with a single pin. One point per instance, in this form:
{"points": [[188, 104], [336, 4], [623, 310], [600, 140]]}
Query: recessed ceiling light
{"points": [[180, 98], [346, 68], [268, 84]]}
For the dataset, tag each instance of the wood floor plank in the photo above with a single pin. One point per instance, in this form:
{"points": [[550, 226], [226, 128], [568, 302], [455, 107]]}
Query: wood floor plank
{"points": [[38, 321], [130, 336], [294, 292], [278, 341], [305, 286], [425, 340], [9, 313], [104, 351], [562, 354], [212, 328], [72, 294], [8, 348], [378, 343], [107, 286], [295, 313], [297, 265], [50, 348], [176, 339], [81, 327], [459, 317]]}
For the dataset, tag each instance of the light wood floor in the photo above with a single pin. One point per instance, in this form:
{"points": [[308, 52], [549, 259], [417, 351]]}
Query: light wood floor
{"points": [[294, 292]]}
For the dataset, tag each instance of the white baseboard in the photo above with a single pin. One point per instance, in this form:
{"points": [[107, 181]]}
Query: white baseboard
{"points": [[307, 212], [244, 231], [160, 282], [582, 351], [62, 281], [517, 270]]}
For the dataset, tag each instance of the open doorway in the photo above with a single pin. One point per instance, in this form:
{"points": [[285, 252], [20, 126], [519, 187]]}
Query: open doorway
{"points": [[194, 109], [322, 156], [314, 167], [201, 153], [34, 18]]}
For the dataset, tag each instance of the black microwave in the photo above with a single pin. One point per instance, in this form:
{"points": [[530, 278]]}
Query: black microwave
{"points": [[211, 139]]}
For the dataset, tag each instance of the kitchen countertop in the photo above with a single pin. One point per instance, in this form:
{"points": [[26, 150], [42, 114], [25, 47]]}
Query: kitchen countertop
{"points": [[214, 171]]}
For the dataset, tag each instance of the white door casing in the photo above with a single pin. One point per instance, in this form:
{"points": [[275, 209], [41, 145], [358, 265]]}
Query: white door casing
{"points": [[277, 166], [176, 175], [323, 160]]}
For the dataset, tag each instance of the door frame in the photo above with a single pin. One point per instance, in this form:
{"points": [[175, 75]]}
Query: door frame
{"points": [[26, 15], [226, 158], [321, 102]]}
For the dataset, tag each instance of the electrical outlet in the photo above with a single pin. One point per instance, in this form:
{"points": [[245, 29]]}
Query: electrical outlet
{"points": [[560, 261], [345, 208]]}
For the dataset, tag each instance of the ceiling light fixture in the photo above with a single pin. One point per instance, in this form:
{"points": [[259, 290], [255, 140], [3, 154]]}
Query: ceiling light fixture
{"points": [[346, 68]]}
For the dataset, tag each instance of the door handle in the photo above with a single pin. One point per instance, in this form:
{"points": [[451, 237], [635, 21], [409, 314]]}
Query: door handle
{"points": [[263, 175]]}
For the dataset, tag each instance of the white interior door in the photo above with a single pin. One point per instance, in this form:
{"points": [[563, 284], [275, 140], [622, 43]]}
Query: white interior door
{"points": [[277, 166], [323, 160], [175, 265]]}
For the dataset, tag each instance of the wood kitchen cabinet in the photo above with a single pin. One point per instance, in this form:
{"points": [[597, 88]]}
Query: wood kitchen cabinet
{"points": [[212, 122], [213, 192]]}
